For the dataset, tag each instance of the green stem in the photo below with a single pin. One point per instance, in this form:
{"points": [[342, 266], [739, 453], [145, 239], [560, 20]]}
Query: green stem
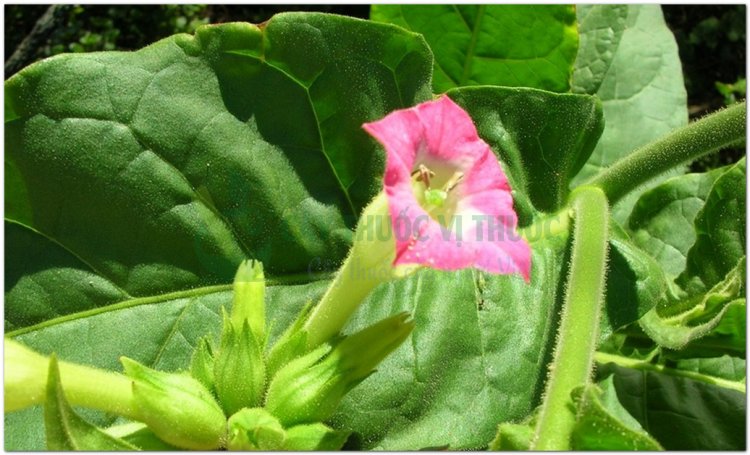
{"points": [[579, 326], [707, 135], [26, 381], [98, 389]]}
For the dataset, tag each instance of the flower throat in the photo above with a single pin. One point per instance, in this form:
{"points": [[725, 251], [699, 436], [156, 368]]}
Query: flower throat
{"points": [[439, 201]]}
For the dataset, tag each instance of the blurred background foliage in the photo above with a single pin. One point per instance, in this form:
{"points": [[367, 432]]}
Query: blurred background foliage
{"points": [[711, 39]]}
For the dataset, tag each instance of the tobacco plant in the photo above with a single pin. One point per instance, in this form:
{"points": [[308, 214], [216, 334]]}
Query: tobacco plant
{"points": [[447, 227]]}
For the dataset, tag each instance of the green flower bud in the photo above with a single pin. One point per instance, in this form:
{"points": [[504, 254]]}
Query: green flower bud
{"points": [[176, 407], [239, 371], [248, 303], [202, 363], [310, 388], [314, 436], [255, 429]]}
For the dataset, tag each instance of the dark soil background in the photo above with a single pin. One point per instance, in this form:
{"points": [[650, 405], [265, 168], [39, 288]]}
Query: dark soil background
{"points": [[711, 39]]}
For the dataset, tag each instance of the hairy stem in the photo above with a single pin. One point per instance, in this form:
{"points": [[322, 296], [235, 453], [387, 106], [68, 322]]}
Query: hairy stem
{"points": [[707, 135], [579, 325]]}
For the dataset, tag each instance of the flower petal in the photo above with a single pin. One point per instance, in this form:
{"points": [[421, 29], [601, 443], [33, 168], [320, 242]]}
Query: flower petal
{"points": [[442, 136], [450, 134]]}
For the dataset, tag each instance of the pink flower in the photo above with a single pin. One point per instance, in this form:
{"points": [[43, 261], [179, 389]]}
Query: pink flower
{"points": [[448, 198]]}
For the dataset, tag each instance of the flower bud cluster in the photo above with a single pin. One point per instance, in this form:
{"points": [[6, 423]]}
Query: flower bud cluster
{"points": [[239, 397]]}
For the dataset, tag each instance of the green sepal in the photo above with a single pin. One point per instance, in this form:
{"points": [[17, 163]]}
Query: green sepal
{"points": [[314, 436], [255, 429], [202, 363], [239, 369], [291, 345], [720, 232], [310, 388], [178, 408], [65, 430], [248, 303], [295, 389], [360, 353]]}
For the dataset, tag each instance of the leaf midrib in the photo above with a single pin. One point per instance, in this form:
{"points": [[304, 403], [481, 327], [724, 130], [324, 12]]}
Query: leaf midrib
{"points": [[472, 43], [435, 61], [74, 254], [306, 89], [627, 362], [287, 280]]}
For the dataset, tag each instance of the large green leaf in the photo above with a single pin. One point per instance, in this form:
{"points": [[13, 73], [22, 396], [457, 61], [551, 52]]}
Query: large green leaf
{"points": [[542, 138], [662, 220], [510, 45], [714, 276], [629, 58], [600, 28], [676, 323], [681, 413], [156, 171], [720, 232], [458, 317], [635, 283]]}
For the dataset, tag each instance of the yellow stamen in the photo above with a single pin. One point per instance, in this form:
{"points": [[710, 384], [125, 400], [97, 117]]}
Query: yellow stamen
{"points": [[454, 180], [424, 174]]}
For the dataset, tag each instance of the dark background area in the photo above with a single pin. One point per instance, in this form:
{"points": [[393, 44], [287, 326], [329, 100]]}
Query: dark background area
{"points": [[711, 39]]}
